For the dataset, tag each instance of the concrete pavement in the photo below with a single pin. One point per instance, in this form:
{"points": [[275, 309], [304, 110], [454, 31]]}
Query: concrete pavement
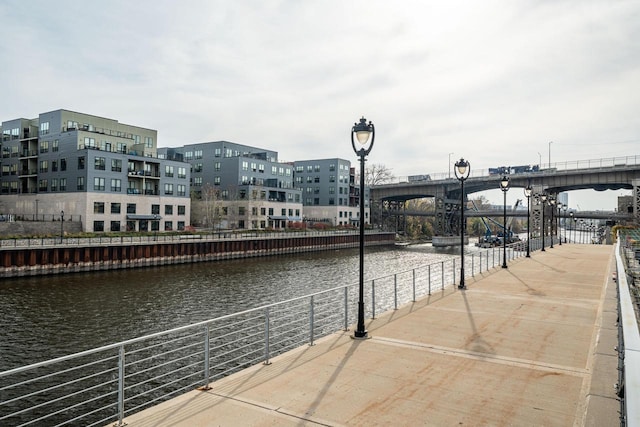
{"points": [[529, 345]]}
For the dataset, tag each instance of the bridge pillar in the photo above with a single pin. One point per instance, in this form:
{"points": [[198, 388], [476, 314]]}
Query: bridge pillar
{"points": [[636, 200]]}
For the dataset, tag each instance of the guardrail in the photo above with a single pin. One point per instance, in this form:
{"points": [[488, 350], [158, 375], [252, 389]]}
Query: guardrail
{"points": [[104, 385], [628, 334], [160, 237], [543, 168]]}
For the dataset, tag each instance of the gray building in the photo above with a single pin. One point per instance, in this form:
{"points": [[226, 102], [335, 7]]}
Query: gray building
{"points": [[91, 169], [330, 191], [239, 186]]}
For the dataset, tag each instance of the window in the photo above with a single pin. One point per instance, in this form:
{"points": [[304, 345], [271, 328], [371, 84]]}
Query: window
{"points": [[63, 164], [188, 155], [43, 185], [98, 184], [44, 146], [180, 225], [63, 184], [90, 142], [44, 128], [116, 165], [55, 145], [197, 181], [332, 168], [263, 211], [168, 171], [261, 168], [155, 209], [245, 166], [217, 152], [241, 210], [98, 207], [80, 183], [168, 225], [197, 167], [54, 166], [283, 212], [148, 142], [274, 170], [270, 211], [115, 208], [98, 225], [44, 166], [54, 184], [168, 189], [182, 172], [131, 208], [216, 180], [168, 209], [80, 163], [181, 209], [116, 185], [115, 225], [198, 154]]}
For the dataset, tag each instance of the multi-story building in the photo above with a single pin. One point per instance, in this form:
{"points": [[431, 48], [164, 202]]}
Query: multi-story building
{"points": [[96, 170], [239, 186], [330, 191]]}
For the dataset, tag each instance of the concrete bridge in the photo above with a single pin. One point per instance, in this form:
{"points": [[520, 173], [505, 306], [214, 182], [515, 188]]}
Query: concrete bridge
{"points": [[599, 174]]}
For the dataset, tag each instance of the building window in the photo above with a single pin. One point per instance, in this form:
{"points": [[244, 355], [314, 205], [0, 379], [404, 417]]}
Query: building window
{"points": [[98, 225], [148, 142], [182, 172], [63, 184], [245, 166], [43, 185], [98, 207], [80, 163], [197, 181], [168, 209], [54, 166], [198, 154], [168, 225], [115, 209], [44, 128], [116, 185], [116, 165], [181, 209], [44, 146], [131, 208], [115, 225], [216, 180], [44, 166], [98, 184], [168, 171], [90, 142], [217, 152], [270, 211], [197, 167], [80, 183], [180, 225], [188, 155], [63, 165], [168, 189], [182, 190], [155, 209]]}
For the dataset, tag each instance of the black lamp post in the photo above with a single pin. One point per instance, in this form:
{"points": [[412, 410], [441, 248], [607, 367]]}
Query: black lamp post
{"points": [[365, 134], [558, 224], [564, 208], [61, 225], [527, 193], [504, 186], [575, 230], [543, 203], [462, 170], [552, 202]]}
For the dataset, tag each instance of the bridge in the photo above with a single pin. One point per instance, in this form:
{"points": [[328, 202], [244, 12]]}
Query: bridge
{"points": [[599, 174]]}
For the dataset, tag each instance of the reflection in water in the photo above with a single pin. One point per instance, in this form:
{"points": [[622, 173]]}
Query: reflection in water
{"points": [[46, 317]]}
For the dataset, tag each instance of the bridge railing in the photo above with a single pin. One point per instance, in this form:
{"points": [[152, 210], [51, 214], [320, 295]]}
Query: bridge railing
{"points": [[609, 162], [106, 384]]}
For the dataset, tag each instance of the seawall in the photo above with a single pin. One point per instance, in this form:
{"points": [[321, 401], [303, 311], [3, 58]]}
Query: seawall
{"points": [[73, 258]]}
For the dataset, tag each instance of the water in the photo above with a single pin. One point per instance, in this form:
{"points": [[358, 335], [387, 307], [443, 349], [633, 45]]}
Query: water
{"points": [[46, 317]]}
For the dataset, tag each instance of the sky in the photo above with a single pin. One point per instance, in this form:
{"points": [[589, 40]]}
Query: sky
{"points": [[491, 81]]}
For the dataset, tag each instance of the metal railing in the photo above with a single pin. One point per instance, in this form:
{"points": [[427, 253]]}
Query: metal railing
{"points": [[106, 384], [610, 162], [628, 386]]}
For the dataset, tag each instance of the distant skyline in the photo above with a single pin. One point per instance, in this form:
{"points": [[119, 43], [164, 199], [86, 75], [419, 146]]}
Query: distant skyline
{"points": [[493, 81]]}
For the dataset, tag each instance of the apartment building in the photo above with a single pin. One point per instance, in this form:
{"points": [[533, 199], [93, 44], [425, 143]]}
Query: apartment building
{"points": [[330, 191], [91, 169], [238, 186]]}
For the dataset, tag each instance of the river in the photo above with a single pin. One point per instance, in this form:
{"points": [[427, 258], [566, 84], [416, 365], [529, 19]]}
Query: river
{"points": [[46, 317]]}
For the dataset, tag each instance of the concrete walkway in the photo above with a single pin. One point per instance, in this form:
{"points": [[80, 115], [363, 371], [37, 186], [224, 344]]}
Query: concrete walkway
{"points": [[531, 345]]}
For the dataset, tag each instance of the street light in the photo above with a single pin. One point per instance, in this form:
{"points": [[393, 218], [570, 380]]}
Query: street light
{"points": [[61, 225], [527, 193], [552, 202], [462, 170], [543, 200], [564, 208], [504, 186], [560, 205], [571, 223], [365, 134]]}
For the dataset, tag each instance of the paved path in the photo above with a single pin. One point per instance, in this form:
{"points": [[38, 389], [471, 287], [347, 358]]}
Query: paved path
{"points": [[531, 345]]}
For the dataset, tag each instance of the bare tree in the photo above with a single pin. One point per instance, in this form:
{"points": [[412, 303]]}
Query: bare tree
{"points": [[376, 174]]}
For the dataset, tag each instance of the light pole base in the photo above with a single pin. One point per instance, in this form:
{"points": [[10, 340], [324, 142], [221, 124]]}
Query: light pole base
{"points": [[504, 266], [359, 336]]}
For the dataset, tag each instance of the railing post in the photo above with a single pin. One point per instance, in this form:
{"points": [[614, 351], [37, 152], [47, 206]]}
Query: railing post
{"points": [[266, 336], [442, 268], [414, 285], [206, 356], [346, 308], [373, 299], [472, 266], [429, 278], [395, 291], [121, 362], [453, 270], [311, 316]]}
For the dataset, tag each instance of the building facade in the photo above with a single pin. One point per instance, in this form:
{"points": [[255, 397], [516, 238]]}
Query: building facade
{"points": [[237, 186], [330, 191], [91, 169]]}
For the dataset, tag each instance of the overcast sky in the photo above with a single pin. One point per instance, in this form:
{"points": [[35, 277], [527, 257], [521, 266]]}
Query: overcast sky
{"points": [[491, 81]]}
